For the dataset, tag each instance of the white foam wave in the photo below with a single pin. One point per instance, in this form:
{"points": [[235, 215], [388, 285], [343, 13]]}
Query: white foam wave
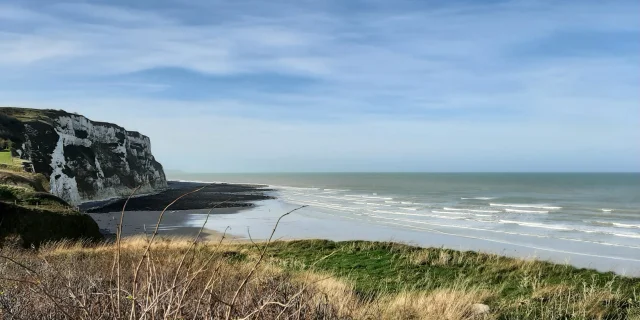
{"points": [[607, 210], [417, 215], [533, 206], [470, 210], [535, 225], [627, 235], [478, 198], [524, 211], [449, 212], [624, 225], [500, 232], [377, 198], [529, 246], [367, 197]]}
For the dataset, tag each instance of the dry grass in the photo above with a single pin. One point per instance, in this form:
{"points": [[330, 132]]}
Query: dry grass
{"points": [[454, 303], [70, 280]]}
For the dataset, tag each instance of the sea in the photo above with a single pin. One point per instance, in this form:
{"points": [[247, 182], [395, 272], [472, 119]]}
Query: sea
{"points": [[588, 219]]}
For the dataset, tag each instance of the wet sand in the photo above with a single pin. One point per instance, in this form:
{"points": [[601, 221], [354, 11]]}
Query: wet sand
{"points": [[220, 195], [174, 223], [142, 213]]}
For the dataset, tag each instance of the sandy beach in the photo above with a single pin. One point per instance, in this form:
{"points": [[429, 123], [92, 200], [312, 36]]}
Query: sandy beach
{"points": [[220, 195], [174, 223], [142, 213]]}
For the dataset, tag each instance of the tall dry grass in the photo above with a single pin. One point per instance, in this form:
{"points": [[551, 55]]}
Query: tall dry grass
{"points": [[72, 281], [148, 278]]}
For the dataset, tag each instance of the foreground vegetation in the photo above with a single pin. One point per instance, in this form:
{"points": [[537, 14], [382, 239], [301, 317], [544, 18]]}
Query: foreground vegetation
{"points": [[5, 157], [311, 279], [35, 216], [514, 288]]}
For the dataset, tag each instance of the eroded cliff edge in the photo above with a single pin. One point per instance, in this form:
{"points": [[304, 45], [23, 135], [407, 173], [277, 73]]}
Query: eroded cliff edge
{"points": [[83, 159]]}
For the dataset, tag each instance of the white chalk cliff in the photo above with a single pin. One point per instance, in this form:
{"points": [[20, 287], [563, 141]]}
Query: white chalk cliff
{"points": [[84, 160]]}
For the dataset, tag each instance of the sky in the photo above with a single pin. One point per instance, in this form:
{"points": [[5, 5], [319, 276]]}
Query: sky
{"points": [[305, 86]]}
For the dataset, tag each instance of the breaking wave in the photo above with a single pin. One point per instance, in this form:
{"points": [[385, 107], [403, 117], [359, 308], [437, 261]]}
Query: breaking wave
{"points": [[532, 206]]}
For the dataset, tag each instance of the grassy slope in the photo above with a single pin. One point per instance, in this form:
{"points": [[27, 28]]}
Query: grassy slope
{"points": [[36, 216], [519, 289], [26, 114], [5, 157], [339, 280]]}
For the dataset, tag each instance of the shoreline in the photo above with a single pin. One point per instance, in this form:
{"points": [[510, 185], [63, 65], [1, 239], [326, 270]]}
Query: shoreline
{"points": [[220, 195], [142, 211], [313, 223], [173, 224]]}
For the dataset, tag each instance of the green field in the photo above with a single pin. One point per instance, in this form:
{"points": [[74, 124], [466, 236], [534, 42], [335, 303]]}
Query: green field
{"points": [[515, 288], [5, 157]]}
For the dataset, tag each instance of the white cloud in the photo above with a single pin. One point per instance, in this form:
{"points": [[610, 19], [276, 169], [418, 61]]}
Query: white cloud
{"points": [[390, 83]]}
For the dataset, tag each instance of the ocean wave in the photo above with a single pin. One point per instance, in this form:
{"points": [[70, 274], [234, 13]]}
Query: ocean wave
{"points": [[525, 245], [615, 224], [535, 225], [417, 215], [600, 223], [533, 206], [449, 212], [501, 232], [367, 203], [627, 235], [378, 198], [624, 225], [362, 196], [470, 210], [478, 198], [607, 210], [524, 211]]}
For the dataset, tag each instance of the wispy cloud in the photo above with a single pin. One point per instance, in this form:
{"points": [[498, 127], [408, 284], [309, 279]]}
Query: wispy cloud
{"points": [[502, 71]]}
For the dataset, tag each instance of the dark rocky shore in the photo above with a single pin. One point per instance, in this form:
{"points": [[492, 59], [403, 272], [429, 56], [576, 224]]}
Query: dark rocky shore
{"points": [[213, 195]]}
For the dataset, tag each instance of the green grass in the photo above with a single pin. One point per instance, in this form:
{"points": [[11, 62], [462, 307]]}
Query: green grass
{"points": [[35, 226], [521, 289], [11, 193], [5, 157], [40, 217]]}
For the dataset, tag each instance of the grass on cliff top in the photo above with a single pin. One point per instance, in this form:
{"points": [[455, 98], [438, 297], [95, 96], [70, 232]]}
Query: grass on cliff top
{"points": [[310, 279], [5, 157], [28, 198], [516, 288], [26, 114]]}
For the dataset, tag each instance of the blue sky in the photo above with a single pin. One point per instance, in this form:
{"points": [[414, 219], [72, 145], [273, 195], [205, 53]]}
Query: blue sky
{"points": [[256, 86]]}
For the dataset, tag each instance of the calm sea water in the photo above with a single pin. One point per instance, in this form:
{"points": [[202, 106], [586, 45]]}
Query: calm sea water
{"points": [[591, 214]]}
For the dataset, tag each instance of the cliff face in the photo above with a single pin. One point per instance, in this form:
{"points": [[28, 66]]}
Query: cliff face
{"points": [[83, 159]]}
